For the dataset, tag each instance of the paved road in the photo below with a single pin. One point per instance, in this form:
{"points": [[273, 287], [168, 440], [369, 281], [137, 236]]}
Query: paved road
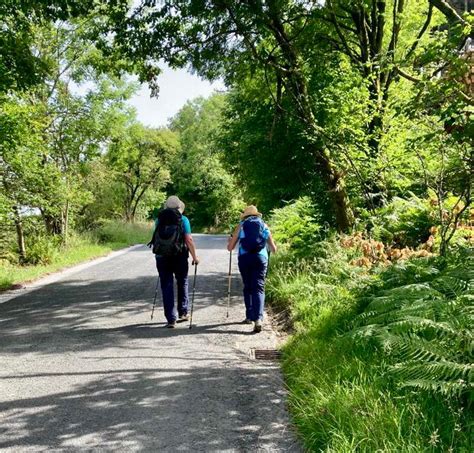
{"points": [[82, 367]]}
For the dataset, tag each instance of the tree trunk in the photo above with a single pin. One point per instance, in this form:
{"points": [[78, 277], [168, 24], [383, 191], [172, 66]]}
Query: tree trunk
{"points": [[53, 224], [334, 182], [65, 223], [296, 84], [20, 234]]}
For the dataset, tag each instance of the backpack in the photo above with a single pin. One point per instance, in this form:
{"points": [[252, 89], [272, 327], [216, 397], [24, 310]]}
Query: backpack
{"points": [[254, 240], [168, 238]]}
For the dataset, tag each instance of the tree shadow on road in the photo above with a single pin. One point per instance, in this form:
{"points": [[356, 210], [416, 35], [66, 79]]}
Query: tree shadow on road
{"points": [[76, 315], [197, 409]]}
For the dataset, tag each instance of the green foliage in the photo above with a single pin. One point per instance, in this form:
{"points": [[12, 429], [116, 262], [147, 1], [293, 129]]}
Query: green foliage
{"points": [[198, 176], [404, 222], [296, 225], [119, 232], [42, 250], [20, 66], [83, 247], [401, 381], [422, 318], [140, 159]]}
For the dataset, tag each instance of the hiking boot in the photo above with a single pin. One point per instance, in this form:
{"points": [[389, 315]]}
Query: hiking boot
{"points": [[183, 318], [257, 328], [246, 321], [171, 325]]}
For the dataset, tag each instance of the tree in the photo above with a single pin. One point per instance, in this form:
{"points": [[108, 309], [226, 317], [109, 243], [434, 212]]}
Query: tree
{"points": [[20, 66], [140, 159], [21, 170], [77, 126], [278, 37], [197, 173], [234, 37]]}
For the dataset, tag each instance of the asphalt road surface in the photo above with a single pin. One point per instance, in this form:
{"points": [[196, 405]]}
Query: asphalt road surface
{"points": [[83, 368]]}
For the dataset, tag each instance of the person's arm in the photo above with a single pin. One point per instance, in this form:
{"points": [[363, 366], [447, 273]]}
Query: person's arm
{"points": [[233, 239], [271, 242], [155, 226], [192, 248]]}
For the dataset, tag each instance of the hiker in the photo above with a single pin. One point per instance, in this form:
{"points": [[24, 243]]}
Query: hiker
{"points": [[172, 242], [253, 235]]}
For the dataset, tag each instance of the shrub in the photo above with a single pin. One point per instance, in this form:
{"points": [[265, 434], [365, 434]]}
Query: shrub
{"points": [[116, 231], [296, 225], [381, 359], [422, 319], [42, 249], [403, 222]]}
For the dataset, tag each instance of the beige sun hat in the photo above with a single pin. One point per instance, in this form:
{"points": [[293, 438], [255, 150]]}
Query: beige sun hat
{"points": [[250, 211], [173, 202]]}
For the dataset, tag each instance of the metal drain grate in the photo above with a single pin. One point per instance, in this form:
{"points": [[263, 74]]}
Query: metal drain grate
{"points": [[265, 354]]}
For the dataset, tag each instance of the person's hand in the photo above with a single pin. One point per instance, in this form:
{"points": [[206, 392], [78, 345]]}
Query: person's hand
{"points": [[196, 261]]}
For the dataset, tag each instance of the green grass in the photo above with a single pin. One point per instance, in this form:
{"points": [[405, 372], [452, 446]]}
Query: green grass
{"points": [[111, 236], [342, 396]]}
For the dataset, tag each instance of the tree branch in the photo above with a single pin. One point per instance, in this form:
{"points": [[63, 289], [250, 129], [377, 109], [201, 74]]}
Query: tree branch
{"points": [[450, 13], [421, 32]]}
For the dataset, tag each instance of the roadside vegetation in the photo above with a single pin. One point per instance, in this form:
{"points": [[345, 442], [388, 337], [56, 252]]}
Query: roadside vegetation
{"points": [[349, 125], [45, 257], [380, 356]]}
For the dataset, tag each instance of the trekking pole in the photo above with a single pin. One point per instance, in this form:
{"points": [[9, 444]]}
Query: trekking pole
{"points": [[230, 280], [154, 299], [268, 263], [192, 300]]}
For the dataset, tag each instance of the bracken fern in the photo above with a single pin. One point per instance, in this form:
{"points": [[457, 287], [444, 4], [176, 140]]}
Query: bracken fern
{"points": [[422, 318]]}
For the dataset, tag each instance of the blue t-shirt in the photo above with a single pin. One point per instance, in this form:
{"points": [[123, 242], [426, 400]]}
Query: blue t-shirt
{"points": [[266, 235], [186, 225]]}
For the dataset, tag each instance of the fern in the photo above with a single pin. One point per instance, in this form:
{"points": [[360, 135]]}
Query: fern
{"points": [[422, 319]]}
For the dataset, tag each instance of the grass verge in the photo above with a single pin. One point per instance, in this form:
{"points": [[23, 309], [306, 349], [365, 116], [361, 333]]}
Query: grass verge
{"points": [[111, 236], [343, 395]]}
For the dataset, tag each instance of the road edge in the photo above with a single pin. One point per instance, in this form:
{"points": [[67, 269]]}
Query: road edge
{"points": [[53, 277]]}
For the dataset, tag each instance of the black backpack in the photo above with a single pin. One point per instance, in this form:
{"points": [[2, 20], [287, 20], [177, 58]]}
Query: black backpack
{"points": [[253, 240], [168, 238]]}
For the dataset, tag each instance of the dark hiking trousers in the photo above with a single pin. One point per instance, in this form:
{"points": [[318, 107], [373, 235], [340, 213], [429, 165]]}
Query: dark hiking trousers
{"points": [[253, 268], [169, 267]]}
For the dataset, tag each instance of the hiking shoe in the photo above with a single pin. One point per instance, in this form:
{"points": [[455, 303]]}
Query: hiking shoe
{"points": [[257, 328], [246, 321], [171, 325], [183, 318]]}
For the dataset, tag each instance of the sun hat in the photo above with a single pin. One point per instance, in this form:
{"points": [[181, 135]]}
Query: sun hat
{"points": [[250, 211], [173, 202]]}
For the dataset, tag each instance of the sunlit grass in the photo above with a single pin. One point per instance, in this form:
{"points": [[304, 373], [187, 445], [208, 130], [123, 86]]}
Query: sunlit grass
{"points": [[340, 397], [112, 236]]}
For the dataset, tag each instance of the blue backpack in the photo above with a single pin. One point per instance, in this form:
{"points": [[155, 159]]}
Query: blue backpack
{"points": [[254, 238]]}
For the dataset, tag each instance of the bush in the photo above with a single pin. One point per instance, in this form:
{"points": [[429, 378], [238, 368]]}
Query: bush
{"points": [[296, 225], [115, 231], [421, 318], [381, 358], [403, 222], [42, 249]]}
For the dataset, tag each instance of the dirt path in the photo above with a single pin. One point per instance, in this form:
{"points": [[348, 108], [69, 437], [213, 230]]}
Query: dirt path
{"points": [[82, 367]]}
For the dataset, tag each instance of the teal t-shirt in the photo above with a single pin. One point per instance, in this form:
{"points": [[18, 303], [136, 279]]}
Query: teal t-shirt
{"points": [[266, 235], [186, 225]]}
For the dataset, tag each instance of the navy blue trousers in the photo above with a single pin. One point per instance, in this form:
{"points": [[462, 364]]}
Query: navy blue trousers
{"points": [[169, 267], [253, 268]]}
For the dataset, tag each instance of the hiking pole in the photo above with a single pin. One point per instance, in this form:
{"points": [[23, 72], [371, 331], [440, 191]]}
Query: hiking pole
{"points": [[268, 262], [192, 300], [154, 299], [230, 279]]}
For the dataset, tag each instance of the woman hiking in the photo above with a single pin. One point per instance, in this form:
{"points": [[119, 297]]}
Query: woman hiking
{"points": [[253, 236], [172, 242]]}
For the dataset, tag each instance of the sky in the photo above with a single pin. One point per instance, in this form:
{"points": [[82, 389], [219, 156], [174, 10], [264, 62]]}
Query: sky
{"points": [[176, 87]]}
